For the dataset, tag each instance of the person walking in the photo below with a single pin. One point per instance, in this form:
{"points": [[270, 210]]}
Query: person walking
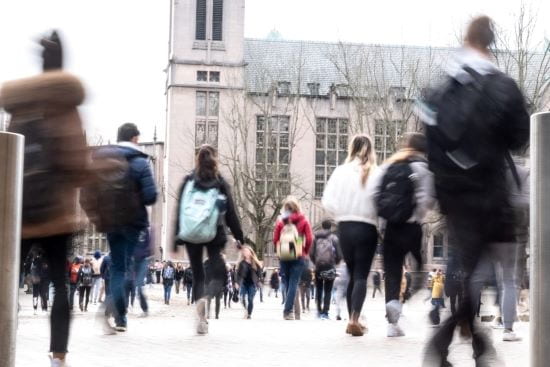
{"points": [[158, 271], [305, 286], [248, 276], [438, 294], [293, 239], [96, 284], [168, 276], [188, 282], [325, 255], [35, 272], [206, 191], [228, 288], [85, 281], [274, 283], [43, 108], [347, 198], [403, 188], [117, 205], [481, 117], [74, 270], [180, 272]]}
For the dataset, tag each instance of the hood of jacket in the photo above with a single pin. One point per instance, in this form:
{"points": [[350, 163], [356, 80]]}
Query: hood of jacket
{"points": [[468, 57], [52, 88]]}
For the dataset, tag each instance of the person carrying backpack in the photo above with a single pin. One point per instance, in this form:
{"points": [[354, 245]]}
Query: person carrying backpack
{"points": [[74, 270], [404, 192], [85, 282], [205, 204], [168, 276], [325, 255], [347, 198], [293, 239], [472, 123], [43, 108], [188, 281], [376, 283], [115, 200], [274, 282]]}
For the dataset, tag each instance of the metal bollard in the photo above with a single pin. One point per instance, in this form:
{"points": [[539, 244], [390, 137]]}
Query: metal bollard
{"points": [[540, 240], [11, 184]]}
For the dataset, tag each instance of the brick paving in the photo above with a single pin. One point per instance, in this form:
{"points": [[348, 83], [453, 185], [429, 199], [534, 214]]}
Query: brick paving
{"points": [[167, 338]]}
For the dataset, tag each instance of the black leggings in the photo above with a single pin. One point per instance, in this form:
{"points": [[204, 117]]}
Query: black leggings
{"points": [[55, 252], [84, 290], [217, 266], [358, 241], [399, 240], [323, 293]]}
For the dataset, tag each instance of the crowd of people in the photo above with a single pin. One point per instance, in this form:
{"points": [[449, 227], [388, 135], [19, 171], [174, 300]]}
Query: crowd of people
{"points": [[461, 164]]}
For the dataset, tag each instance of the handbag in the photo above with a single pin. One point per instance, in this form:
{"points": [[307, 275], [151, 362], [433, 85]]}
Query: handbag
{"points": [[328, 274]]}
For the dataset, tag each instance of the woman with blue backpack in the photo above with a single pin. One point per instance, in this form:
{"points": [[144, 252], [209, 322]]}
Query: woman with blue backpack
{"points": [[205, 203]]}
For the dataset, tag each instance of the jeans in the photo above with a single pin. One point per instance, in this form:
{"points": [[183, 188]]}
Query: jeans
{"points": [[55, 251], [399, 240], [72, 291], [247, 295], [167, 290], [293, 272], [189, 288], [217, 266], [122, 245], [141, 266], [96, 285], [358, 241], [323, 292]]}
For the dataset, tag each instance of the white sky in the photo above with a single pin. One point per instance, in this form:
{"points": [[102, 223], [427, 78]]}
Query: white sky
{"points": [[119, 47]]}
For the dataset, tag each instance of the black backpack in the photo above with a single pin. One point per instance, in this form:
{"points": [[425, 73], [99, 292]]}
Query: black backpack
{"points": [[396, 201], [110, 199]]}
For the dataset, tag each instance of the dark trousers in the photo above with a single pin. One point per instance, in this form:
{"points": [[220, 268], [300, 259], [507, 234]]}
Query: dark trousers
{"points": [[305, 295], [323, 293], [72, 291], [55, 251], [129, 292], [84, 291], [358, 241], [217, 266], [399, 240], [217, 304], [158, 274], [189, 289], [376, 288]]}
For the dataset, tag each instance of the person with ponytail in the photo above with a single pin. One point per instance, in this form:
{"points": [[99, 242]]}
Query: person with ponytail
{"points": [[348, 199], [472, 123], [206, 176]]}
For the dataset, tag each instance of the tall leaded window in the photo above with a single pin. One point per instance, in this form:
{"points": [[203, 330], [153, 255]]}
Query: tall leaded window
{"points": [[206, 120], [217, 20], [200, 20], [330, 149], [386, 137], [272, 155], [439, 246]]}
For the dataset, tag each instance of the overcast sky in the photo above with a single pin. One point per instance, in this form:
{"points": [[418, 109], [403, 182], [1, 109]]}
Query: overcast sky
{"points": [[119, 47]]}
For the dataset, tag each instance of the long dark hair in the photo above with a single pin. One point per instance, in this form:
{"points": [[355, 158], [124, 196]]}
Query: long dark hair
{"points": [[206, 164]]}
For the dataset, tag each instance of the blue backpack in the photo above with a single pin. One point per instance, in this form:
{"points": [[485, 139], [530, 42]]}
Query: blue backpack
{"points": [[198, 214]]}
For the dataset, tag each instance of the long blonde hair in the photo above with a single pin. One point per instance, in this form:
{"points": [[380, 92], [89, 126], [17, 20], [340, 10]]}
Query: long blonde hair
{"points": [[256, 263], [361, 148], [293, 204]]}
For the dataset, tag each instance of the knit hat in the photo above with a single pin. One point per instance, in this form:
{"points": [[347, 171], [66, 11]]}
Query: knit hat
{"points": [[97, 255]]}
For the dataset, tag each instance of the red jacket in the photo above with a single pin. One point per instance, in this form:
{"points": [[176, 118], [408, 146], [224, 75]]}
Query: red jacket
{"points": [[303, 227]]}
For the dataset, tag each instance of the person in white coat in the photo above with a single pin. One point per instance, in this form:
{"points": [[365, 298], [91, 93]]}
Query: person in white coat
{"points": [[346, 197]]}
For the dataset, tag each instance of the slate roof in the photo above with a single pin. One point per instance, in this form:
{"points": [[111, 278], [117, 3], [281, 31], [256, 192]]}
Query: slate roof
{"points": [[270, 61]]}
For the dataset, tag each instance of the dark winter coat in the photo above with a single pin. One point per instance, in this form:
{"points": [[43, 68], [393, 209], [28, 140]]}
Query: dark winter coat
{"points": [[231, 217], [242, 271], [43, 108], [275, 281]]}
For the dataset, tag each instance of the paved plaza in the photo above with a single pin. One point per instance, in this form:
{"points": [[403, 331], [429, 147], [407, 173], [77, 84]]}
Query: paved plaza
{"points": [[167, 338]]}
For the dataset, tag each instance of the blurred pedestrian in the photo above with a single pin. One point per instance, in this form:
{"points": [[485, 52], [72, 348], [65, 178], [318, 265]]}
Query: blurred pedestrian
{"points": [[85, 282], [168, 275], [188, 281], [347, 198], [180, 272], [305, 286], [274, 282], [340, 288], [376, 283], [480, 117], [247, 278], [292, 238], [158, 271], [404, 193], [325, 255], [43, 108], [206, 191], [96, 284]]}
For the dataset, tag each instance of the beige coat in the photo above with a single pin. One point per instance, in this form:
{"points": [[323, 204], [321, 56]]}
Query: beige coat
{"points": [[43, 108]]}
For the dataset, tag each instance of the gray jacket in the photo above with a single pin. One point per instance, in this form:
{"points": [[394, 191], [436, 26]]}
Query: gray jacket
{"points": [[424, 188]]}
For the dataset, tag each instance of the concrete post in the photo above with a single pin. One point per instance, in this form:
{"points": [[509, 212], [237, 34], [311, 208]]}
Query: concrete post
{"points": [[540, 240], [11, 184]]}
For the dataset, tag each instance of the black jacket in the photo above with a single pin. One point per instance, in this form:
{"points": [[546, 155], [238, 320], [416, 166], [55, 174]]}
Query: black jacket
{"points": [[243, 270], [231, 217]]}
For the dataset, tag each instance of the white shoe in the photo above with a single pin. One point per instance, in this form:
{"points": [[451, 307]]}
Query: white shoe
{"points": [[510, 336], [394, 330], [143, 315], [58, 362], [497, 325], [202, 327], [201, 309], [393, 311]]}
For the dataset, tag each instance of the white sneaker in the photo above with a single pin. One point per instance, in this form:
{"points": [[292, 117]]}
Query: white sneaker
{"points": [[108, 329], [497, 325], [202, 327], [58, 362], [394, 330], [510, 336], [143, 314], [201, 309], [393, 311]]}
